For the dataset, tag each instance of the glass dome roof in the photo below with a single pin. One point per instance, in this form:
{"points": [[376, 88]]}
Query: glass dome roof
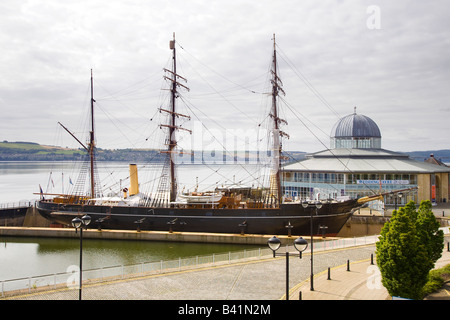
{"points": [[356, 126], [356, 131]]}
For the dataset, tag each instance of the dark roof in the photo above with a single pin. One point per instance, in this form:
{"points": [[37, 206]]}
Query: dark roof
{"points": [[433, 160]]}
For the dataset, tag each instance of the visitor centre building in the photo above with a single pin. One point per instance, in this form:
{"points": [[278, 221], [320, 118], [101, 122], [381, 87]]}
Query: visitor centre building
{"points": [[357, 166]]}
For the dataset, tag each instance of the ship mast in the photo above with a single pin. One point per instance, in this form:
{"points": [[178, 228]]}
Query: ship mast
{"points": [[173, 115], [276, 188], [90, 148], [91, 145], [172, 141]]}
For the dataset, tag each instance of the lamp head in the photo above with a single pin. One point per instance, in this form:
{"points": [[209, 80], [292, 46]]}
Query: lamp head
{"points": [[274, 243], [76, 222], [318, 204], [300, 244], [86, 219]]}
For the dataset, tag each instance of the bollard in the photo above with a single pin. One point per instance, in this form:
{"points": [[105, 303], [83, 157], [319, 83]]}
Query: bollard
{"points": [[371, 258], [329, 274], [300, 295], [348, 265], [448, 246]]}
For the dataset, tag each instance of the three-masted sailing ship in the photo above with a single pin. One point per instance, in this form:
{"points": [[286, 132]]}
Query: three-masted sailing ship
{"points": [[233, 209]]}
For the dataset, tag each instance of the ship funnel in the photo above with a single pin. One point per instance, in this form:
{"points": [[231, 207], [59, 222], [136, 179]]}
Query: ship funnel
{"points": [[134, 183]]}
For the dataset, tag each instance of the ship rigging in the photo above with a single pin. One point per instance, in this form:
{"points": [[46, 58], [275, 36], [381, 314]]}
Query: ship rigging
{"points": [[233, 208]]}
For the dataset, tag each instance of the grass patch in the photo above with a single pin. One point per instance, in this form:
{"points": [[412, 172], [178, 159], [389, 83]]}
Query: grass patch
{"points": [[21, 145], [436, 280]]}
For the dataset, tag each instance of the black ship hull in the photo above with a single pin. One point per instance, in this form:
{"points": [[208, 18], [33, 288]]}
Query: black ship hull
{"points": [[289, 219], [13, 216]]}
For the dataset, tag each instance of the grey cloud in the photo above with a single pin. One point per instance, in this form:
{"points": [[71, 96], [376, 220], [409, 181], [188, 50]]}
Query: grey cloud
{"points": [[393, 74]]}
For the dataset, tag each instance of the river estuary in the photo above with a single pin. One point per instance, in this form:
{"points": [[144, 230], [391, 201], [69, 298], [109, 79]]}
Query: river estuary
{"points": [[28, 257]]}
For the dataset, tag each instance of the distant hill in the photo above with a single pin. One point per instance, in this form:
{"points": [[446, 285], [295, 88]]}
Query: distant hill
{"points": [[31, 151], [442, 155]]}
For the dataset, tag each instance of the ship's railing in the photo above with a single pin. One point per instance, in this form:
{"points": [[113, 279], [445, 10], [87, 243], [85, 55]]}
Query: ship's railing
{"points": [[20, 204], [69, 279]]}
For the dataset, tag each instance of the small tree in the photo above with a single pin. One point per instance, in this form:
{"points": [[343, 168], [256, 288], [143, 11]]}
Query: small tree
{"points": [[409, 245], [428, 231]]}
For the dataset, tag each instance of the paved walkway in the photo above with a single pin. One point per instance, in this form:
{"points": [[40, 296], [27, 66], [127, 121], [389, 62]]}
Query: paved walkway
{"points": [[262, 279], [362, 282]]}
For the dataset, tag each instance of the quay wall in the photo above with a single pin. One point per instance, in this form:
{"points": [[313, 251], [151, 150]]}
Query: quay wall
{"points": [[362, 225], [14, 217], [366, 225], [247, 239]]}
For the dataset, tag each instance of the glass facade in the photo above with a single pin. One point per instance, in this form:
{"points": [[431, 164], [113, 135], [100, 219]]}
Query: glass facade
{"points": [[353, 143], [326, 185]]}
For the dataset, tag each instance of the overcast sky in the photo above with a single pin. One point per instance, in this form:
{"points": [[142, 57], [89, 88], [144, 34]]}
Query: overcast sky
{"points": [[390, 59]]}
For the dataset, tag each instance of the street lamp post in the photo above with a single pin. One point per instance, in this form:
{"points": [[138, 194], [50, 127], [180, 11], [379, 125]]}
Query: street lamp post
{"points": [[400, 195], [318, 205], [396, 198], [78, 223], [300, 245]]}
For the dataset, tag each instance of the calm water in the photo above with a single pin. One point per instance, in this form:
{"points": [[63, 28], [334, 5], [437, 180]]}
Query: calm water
{"points": [[23, 257]]}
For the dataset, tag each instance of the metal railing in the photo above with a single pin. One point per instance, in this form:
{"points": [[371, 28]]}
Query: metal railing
{"points": [[70, 278], [20, 204]]}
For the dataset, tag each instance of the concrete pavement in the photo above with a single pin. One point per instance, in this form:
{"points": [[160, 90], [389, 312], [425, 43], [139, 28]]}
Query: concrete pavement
{"points": [[258, 279], [362, 282]]}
